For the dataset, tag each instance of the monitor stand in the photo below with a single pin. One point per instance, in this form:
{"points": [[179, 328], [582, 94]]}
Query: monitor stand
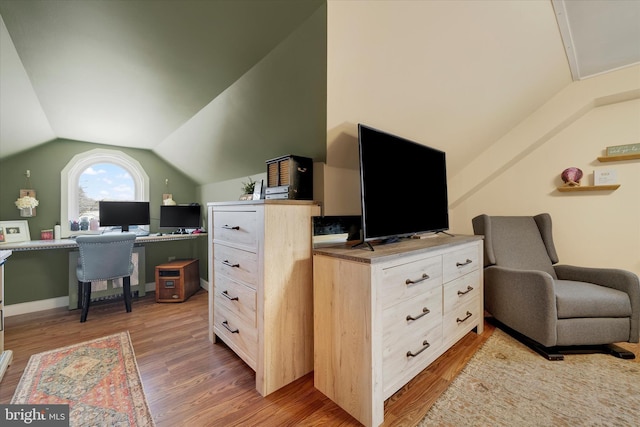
{"points": [[181, 231]]}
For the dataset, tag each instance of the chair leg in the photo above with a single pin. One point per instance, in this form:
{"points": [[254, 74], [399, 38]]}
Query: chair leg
{"points": [[86, 299], [80, 295], [126, 285]]}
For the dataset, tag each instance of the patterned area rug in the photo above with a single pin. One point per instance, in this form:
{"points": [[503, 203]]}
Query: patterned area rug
{"points": [[507, 384], [98, 379]]}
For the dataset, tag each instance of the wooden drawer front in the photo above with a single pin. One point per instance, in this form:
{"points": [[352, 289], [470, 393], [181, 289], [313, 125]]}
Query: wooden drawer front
{"points": [[240, 337], [239, 227], [409, 347], [407, 320], [237, 298], [237, 264], [458, 321], [461, 290], [409, 280], [460, 262]]}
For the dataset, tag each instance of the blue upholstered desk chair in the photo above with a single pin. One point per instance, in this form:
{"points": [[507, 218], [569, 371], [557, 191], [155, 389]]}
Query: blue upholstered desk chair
{"points": [[104, 257]]}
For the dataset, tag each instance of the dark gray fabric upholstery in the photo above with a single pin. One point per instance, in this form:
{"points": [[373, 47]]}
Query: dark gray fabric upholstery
{"points": [[581, 299], [543, 221], [555, 305], [516, 242]]}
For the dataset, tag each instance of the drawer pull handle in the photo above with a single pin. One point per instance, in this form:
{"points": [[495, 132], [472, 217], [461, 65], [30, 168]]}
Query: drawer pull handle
{"points": [[226, 262], [424, 277], [462, 264], [226, 294], [469, 289], [425, 311], [228, 227], [465, 318], [226, 325], [425, 345]]}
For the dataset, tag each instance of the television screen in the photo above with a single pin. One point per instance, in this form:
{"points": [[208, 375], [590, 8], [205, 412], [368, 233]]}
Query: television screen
{"points": [[180, 216], [123, 214], [403, 186]]}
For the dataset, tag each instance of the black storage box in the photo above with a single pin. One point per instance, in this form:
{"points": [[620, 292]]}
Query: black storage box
{"points": [[289, 177]]}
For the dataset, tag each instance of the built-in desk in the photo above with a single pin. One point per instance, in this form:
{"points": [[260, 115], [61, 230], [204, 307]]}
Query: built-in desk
{"points": [[38, 245], [104, 289]]}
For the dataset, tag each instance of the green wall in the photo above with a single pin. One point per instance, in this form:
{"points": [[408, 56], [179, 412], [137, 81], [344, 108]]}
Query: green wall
{"points": [[276, 108], [36, 275]]}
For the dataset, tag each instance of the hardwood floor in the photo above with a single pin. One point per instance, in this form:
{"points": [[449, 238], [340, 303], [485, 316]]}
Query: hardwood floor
{"points": [[191, 382]]}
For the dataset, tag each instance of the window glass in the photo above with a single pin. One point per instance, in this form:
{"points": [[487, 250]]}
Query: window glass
{"points": [[101, 181]]}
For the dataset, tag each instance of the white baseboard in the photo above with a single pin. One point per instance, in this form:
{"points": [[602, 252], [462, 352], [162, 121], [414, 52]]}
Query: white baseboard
{"points": [[47, 304], [33, 306]]}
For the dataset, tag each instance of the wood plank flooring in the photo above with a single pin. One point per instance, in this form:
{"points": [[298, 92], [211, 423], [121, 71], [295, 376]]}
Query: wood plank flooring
{"points": [[191, 382]]}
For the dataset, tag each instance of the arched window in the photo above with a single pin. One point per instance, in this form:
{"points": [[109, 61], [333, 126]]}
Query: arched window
{"points": [[95, 175]]}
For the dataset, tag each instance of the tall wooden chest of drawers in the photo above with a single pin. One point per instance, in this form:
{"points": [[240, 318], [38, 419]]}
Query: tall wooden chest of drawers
{"points": [[382, 317], [261, 302]]}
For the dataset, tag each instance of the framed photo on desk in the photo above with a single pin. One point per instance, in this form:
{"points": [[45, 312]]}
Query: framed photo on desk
{"points": [[14, 231]]}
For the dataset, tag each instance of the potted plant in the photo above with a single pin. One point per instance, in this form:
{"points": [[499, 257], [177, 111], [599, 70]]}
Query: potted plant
{"points": [[247, 189]]}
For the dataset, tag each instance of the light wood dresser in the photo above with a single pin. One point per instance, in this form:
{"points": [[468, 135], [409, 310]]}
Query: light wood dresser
{"points": [[261, 306], [382, 317], [6, 356]]}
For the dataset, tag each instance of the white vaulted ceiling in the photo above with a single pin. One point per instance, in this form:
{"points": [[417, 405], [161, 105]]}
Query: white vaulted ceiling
{"points": [[136, 73]]}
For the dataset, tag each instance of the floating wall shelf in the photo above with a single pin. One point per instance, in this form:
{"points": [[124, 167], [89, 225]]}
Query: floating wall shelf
{"points": [[619, 158], [590, 188]]}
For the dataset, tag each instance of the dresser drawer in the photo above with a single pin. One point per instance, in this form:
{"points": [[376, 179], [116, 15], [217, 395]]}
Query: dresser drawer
{"points": [[410, 354], [237, 334], [236, 227], [457, 321], [405, 281], [461, 290], [460, 262], [237, 264], [237, 298]]}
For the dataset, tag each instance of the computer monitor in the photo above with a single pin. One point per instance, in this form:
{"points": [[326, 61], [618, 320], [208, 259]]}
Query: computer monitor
{"points": [[123, 214], [181, 217]]}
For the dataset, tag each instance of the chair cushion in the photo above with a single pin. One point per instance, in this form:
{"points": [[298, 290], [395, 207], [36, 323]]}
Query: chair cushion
{"points": [[517, 243], [582, 299]]}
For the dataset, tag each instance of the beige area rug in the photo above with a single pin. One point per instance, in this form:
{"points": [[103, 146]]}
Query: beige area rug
{"points": [[98, 379], [507, 384]]}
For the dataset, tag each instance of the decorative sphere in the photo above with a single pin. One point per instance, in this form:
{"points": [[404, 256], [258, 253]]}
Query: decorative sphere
{"points": [[572, 176]]}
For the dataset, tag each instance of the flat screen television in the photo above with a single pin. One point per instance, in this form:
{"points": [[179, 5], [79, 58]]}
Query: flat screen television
{"points": [[180, 216], [403, 186], [123, 214]]}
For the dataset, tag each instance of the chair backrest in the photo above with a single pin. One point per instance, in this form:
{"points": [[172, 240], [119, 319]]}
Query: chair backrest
{"points": [[105, 256], [521, 242]]}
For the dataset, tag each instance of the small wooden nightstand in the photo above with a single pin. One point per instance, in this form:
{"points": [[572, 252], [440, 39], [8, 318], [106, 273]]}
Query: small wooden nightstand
{"points": [[177, 280]]}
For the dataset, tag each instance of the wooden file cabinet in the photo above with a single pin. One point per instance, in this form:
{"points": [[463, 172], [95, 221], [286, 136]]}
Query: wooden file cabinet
{"points": [[177, 280], [261, 305], [382, 317]]}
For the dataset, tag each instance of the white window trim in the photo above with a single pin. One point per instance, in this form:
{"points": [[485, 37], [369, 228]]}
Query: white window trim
{"points": [[70, 176]]}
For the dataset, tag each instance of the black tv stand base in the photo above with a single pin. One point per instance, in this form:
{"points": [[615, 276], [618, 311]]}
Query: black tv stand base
{"points": [[363, 243]]}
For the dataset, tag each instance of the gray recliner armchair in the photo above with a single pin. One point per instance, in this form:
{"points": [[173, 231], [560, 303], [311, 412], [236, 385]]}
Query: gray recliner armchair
{"points": [[555, 309]]}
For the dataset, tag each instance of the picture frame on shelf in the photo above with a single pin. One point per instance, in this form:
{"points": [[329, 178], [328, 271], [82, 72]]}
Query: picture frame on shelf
{"points": [[257, 190], [15, 231]]}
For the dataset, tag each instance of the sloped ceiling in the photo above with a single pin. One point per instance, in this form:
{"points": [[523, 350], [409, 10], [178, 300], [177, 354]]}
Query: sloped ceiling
{"points": [[136, 73], [127, 73]]}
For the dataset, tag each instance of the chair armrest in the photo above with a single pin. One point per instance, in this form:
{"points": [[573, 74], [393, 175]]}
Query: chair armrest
{"points": [[621, 280], [524, 300]]}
